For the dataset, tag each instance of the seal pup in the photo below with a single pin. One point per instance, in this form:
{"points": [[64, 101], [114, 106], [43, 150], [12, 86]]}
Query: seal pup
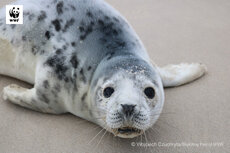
{"points": [[83, 57]]}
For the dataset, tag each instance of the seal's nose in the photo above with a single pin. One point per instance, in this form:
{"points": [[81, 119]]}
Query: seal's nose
{"points": [[128, 109]]}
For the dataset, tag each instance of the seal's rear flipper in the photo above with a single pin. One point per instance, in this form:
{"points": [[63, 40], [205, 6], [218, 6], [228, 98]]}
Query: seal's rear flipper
{"points": [[176, 75]]}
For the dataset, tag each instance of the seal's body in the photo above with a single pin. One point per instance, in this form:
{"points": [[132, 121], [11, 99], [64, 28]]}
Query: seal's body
{"points": [[83, 57]]}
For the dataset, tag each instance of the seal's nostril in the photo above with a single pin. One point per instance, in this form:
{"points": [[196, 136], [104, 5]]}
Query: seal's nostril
{"points": [[128, 109]]}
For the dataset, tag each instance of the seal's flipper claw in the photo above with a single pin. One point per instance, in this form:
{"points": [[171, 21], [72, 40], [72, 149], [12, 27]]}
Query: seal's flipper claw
{"points": [[176, 75]]}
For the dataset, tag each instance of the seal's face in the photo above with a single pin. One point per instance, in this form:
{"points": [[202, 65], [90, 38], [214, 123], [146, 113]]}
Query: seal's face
{"points": [[128, 103]]}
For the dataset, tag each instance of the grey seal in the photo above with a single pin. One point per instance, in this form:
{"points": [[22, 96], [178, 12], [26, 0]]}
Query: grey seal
{"points": [[83, 57]]}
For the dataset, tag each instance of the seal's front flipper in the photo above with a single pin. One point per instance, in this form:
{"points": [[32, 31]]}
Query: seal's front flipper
{"points": [[26, 98], [176, 75]]}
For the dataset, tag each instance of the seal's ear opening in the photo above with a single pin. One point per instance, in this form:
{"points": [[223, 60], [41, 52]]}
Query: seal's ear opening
{"points": [[176, 75]]}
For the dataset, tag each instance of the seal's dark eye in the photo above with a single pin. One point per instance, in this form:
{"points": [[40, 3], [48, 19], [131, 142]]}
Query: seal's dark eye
{"points": [[108, 91], [149, 92]]}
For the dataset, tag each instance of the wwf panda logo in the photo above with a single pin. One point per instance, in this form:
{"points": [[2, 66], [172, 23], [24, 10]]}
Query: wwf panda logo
{"points": [[14, 12]]}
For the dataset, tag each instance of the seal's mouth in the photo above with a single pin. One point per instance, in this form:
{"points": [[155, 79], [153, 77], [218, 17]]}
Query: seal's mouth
{"points": [[128, 130]]}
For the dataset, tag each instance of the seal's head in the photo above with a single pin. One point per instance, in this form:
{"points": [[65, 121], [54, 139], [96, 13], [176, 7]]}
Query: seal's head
{"points": [[127, 96]]}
